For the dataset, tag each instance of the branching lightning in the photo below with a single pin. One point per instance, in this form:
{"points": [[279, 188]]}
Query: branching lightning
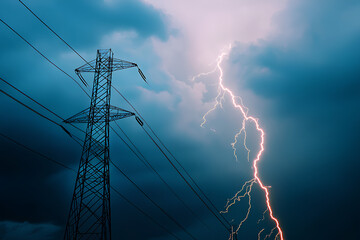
{"points": [[259, 234], [245, 191], [242, 130]]}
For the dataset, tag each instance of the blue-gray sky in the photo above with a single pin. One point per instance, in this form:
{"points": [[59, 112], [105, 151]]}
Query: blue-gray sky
{"points": [[294, 63]]}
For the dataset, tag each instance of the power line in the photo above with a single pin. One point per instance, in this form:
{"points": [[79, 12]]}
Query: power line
{"points": [[186, 172], [33, 110], [72, 169], [44, 56], [36, 152], [11, 85], [86, 94], [144, 213], [75, 140], [74, 137], [79, 86], [187, 182], [152, 201], [69, 168], [80, 144], [41, 105], [56, 35], [148, 165], [151, 131]]}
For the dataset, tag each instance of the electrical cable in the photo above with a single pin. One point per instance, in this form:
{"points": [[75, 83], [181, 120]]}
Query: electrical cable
{"points": [[36, 152], [149, 166], [111, 162], [33, 110], [69, 168], [152, 201], [75, 140], [44, 56], [86, 94], [144, 213], [85, 83], [144, 129], [187, 182], [187, 173], [32, 99]]}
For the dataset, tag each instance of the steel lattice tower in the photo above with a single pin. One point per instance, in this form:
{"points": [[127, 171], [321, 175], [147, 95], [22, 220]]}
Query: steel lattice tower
{"points": [[89, 216]]}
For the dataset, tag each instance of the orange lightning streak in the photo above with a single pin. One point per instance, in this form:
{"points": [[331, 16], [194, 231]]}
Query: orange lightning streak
{"points": [[259, 234], [263, 217], [222, 90]]}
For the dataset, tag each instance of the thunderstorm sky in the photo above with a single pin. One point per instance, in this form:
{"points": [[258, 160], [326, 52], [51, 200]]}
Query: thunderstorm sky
{"points": [[295, 63]]}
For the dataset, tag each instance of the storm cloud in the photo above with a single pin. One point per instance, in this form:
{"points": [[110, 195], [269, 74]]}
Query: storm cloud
{"points": [[295, 63]]}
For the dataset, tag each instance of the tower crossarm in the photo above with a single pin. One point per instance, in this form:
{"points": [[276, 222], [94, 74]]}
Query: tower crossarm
{"points": [[115, 114], [117, 64]]}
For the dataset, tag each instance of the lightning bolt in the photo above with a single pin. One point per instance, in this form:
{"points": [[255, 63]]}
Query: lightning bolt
{"points": [[259, 234], [246, 189], [242, 130]]}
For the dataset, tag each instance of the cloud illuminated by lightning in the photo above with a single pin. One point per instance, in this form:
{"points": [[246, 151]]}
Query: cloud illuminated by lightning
{"points": [[245, 191]]}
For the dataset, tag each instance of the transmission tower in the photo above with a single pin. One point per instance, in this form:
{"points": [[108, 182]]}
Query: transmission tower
{"points": [[89, 216]]}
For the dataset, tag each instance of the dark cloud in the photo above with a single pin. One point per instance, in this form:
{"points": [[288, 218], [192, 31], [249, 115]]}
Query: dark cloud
{"points": [[308, 74], [83, 23], [17, 230]]}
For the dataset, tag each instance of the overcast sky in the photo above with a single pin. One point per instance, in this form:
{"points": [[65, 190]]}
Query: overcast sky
{"points": [[295, 64]]}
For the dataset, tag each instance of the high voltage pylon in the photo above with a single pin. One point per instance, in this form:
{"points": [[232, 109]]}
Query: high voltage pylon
{"points": [[89, 216]]}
